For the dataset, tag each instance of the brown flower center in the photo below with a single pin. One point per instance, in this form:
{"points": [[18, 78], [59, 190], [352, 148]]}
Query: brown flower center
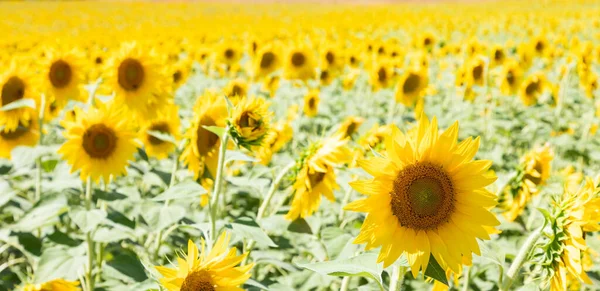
{"points": [[60, 74], [411, 84], [229, 53], [510, 78], [131, 74], [532, 88], [312, 103], [315, 178], [161, 127], [206, 139], [324, 75], [478, 72], [538, 168], [422, 196], [197, 281], [99, 141], [12, 90], [237, 90], [539, 46], [267, 60], [15, 134], [498, 55], [330, 58], [381, 75], [298, 59], [177, 76]]}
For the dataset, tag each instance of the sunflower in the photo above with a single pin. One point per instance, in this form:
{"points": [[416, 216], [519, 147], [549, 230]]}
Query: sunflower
{"points": [[349, 79], [23, 135], [180, 72], [236, 89], [280, 134], [17, 84], [426, 41], [138, 80], [540, 45], [411, 84], [201, 150], [250, 122], [299, 64], [100, 143], [54, 285], [427, 198], [374, 138], [350, 126], [228, 53], [311, 103], [166, 122], [564, 253], [331, 60], [325, 77], [353, 59], [199, 270], [315, 175], [476, 72], [531, 89], [498, 56], [525, 56], [510, 77], [271, 84], [533, 172], [381, 76], [589, 84], [267, 61], [64, 77]]}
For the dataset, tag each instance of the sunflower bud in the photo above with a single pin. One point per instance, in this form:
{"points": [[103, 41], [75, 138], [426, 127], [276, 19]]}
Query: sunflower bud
{"points": [[250, 122]]}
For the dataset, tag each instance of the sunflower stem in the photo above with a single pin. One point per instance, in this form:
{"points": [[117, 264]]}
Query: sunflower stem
{"points": [[465, 283], [265, 204], [345, 283], [397, 278], [89, 279], [38, 161], [172, 181], [520, 258], [391, 110], [344, 202], [217, 186]]}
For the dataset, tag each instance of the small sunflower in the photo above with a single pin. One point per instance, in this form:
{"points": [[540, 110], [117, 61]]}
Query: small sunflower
{"points": [[280, 134], [427, 198], [166, 122], [381, 76], [138, 80], [476, 72], [350, 126], [16, 83], [180, 72], [531, 88], [498, 56], [267, 61], [100, 143], [331, 60], [410, 86], [250, 122], [228, 53], [299, 64], [325, 77], [311, 103], [200, 152], [54, 285], [271, 84], [201, 270], [23, 135], [510, 77], [236, 90], [315, 175], [64, 78], [374, 138], [349, 80]]}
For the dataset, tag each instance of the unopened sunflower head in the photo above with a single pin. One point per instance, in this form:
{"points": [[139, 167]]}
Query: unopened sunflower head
{"points": [[250, 122], [563, 253]]}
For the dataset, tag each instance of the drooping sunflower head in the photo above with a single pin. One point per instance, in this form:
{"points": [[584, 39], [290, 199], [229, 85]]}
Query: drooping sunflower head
{"points": [[139, 82], [54, 285], [426, 192], [16, 85], [311, 103], [207, 270], [160, 134], [537, 165], [64, 77], [250, 122], [299, 64], [531, 89], [23, 135], [410, 86], [100, 143], [200, 153], [314, 175], [350, 126]]}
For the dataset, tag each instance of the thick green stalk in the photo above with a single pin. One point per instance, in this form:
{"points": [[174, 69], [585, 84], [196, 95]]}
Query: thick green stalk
{"points": [[88, 238], [345, 283], [397, 278], [218, 183], [171, 184], [520, 258]]}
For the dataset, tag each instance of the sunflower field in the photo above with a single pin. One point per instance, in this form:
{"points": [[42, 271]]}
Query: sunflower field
{"points": [[207, 146]]}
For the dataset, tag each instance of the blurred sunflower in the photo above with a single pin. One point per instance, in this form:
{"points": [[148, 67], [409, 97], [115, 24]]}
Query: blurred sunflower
{"points": [[381, 76], [250, 122], [236, 90], [17, 84], [280, 134], [510, 77], [331, 59], [99, 143], [325, 77], [427, 198], [350, 126], [228, 53], [314, 175], [267, 61], [299, 64], [271, 84], [139, 82], [199, 270], [476, 72], [23, 135], [64, 77], [180, 72], [531, 89], [498, 56], [349, 80], [54, 285], [166, 122], [375, 137], [311, 103], [200, 152], [410, 86]]}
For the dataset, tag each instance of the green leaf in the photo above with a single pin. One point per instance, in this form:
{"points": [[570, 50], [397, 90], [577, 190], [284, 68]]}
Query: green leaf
{"points": [[30, 242], [238, 156], [25, 102], [300, 225], [129, 264], [435, 271], [45, 213], [162, 136], [106, 235], [494, 255], [48, 165], [220, 131], [87, 220], [247, 228], [363, 265], [183, 190], [7, 192], [60, 262], [160, 217]]}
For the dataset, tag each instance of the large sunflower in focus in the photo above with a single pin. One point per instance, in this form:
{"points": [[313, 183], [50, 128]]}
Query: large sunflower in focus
{"points": [[427, 198], [23, 135], [63, 79], [201, 151], [16, 84], [166, 122], [315, 175], [99, 142], [299, 64], [203, 270], [139, 81]]}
